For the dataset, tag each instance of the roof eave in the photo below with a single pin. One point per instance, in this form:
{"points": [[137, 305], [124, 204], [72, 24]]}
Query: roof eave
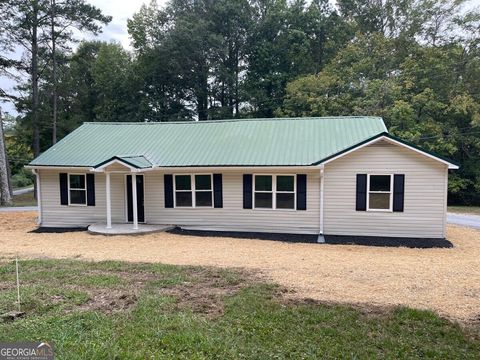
{"points": [[118, 160]]}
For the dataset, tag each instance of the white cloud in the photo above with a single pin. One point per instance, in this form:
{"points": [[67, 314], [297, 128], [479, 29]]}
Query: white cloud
{"points": [[120, 11]]}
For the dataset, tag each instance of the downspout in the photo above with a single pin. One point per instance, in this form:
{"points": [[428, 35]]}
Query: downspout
{"points": [[445, 204], [321, 238], [39, 196]]}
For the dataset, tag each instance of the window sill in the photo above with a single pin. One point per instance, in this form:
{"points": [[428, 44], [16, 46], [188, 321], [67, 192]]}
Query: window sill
{"points": [[196, 207], [271, 209]]}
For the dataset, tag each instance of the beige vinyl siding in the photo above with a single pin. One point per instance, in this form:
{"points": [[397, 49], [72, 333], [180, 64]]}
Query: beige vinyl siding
{"points": [[56, 215], [425, 194], [231, 217]]}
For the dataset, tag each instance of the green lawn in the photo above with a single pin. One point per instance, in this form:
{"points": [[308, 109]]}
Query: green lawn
{"points": [[137, 311], [475, 210]]}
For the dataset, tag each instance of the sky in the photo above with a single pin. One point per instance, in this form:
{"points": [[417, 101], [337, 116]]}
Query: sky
{"points": [[116, 30], [120, 11]]}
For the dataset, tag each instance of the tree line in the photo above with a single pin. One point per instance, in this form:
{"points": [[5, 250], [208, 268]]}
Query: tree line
{"points": [[414, 62]]}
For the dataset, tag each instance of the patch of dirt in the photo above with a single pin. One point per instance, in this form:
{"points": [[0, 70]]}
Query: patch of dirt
{"points": [[205, 295], [108, 301], [6, 285]]}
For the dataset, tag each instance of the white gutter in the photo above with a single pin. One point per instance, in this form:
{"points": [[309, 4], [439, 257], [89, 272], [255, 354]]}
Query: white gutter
{"points": [[175, 168], [240, 168], [37, 167]]}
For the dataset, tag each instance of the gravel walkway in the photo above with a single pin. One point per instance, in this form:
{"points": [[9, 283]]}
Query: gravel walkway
{"points": [[444, 280]]}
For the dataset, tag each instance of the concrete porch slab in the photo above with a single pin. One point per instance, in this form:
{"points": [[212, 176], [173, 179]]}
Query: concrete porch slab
{"points": [[127, 229]]}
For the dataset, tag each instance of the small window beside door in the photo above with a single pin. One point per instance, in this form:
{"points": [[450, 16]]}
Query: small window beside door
{"points": [[77, 189]]}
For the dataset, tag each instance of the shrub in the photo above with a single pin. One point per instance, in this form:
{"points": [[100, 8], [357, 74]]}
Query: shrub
{"points": [[22, 179]]}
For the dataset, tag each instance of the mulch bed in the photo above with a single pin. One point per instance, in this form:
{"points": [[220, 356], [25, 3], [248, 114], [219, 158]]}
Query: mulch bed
{"points": [[329, 239], [295, 238]]}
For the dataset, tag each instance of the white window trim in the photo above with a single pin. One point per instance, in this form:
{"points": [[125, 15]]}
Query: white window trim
{"points": [[390, 209], [274, 192], [85, 189], [193, 191]]}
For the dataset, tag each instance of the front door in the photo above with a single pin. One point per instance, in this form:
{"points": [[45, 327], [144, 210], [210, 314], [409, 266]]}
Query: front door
{"points": [[141, 211]]}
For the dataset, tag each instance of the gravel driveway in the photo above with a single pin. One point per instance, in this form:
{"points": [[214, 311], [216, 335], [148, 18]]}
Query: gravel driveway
{"points": [[444, 280]]}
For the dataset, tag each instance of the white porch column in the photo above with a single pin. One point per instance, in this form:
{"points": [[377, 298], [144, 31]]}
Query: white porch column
{"points": [[134, 201], [109, 203]]}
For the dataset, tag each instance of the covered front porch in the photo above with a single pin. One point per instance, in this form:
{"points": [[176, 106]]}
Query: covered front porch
{"points": [[133, 167]]}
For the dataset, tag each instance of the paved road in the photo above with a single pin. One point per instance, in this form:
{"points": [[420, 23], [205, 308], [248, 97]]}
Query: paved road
{"points": [[18, 208], [22, 191], [472, 221]]}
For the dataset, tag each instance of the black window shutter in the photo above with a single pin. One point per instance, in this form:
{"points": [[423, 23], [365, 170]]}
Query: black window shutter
{"points": [[90, 189], [361, 192], [398, 192], [301, 192], [247, 191], [168, 190], [217, 191], [63, 188]]}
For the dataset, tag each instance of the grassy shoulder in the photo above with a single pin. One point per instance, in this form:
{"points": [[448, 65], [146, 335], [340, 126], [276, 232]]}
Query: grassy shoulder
{"points": [[474, 210], [26, 199], [125, 310]]}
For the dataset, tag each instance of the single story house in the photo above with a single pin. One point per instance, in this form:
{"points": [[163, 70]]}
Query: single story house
{"points": [[326, 175]]}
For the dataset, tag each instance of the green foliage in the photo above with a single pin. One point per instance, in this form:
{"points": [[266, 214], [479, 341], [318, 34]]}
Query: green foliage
{"points": [[22, 178], [426, 96], [416, 63], [18, 152], [112, 78], [76, 305]]}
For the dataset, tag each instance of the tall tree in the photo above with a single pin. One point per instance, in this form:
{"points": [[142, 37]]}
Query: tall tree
{"points": [[112, 74], [65, 15], [428, 95], [5, 188], [232, 21], [289, 39], [32, 23]]}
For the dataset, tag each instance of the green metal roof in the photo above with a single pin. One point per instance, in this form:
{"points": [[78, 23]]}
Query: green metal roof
{"points": [[246, 142]]}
